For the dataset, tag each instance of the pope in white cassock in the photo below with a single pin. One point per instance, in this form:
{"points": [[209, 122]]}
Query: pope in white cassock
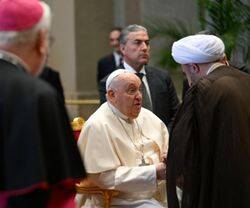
{"points": [[124, 147]]}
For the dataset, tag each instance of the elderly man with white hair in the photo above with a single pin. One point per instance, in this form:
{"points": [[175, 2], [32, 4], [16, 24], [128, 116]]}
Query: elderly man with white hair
{"points": [[40, 162], [124, 145], [209, 152]]}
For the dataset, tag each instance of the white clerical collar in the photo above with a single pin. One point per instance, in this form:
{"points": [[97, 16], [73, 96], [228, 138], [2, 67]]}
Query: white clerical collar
{"points": [[118, 113], [14, 59], [117, 57], [214, 66], [129, 68]]}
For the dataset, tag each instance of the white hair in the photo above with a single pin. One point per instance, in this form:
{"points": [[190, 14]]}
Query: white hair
{"points": [[10, 38], [112, 78]]}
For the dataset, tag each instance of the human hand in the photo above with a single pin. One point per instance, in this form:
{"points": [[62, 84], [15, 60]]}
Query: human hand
{"points": [[164, 158], [161, 171]]}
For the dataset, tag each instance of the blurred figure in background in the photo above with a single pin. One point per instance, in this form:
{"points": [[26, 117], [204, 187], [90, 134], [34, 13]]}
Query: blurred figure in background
{"points": [[113, 61], [39, 162], [209, 148]]}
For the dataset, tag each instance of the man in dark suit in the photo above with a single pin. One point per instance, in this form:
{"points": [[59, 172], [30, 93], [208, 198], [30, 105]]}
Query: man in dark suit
{"points": [[109, 63], [159, 94]]}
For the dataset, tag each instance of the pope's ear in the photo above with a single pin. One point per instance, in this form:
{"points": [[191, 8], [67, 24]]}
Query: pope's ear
{"points": [[111, 95]]}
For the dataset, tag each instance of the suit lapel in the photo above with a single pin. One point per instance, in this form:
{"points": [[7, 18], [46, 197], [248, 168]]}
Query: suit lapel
{"points": [[112, 61]]}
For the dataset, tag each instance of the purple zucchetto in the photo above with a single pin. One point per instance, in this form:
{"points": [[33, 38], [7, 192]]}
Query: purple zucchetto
{"points": [[18, 15]]}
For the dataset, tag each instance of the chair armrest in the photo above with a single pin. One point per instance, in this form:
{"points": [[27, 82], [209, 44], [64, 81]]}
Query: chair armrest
{"points": [[88, 187]]}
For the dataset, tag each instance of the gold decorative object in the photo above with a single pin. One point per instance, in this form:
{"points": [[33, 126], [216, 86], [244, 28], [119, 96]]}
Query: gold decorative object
{"points": [[77, 123], [88, 187]]}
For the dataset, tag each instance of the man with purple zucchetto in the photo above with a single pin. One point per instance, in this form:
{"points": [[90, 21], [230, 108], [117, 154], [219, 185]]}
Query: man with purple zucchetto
{"points": [[39, 160]]}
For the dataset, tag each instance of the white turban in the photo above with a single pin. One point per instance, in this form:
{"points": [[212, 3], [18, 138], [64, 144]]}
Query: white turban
{"points": [[198, 49], [113, 75]]}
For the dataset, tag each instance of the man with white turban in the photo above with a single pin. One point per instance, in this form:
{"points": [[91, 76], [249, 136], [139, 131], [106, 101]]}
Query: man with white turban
{"points": [[209, 148]]}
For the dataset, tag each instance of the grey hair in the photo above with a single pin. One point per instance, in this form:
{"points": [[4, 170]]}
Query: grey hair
{"points": [[131, 28], [10, 38]]}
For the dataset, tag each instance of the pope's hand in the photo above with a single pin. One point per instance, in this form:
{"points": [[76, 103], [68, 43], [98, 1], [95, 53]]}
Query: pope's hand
{"points": [[164, 157], [161, 171]]}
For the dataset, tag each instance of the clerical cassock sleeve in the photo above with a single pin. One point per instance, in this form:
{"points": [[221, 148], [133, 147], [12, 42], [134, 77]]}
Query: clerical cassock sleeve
{"points": [[128, 179], [38, 148], [209, 145], [184, 132], [55, 126]]}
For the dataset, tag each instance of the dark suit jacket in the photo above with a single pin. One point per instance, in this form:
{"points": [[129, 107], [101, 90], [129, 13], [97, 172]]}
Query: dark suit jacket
{"points": [[163, 94], [105, 66], [53, 78]]}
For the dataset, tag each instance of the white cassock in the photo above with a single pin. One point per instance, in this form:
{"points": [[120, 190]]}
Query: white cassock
{"points": [[112, 147]]}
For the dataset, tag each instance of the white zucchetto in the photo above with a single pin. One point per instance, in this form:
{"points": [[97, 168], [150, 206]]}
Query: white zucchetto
{"points": [[113, 75], [198, 49]]}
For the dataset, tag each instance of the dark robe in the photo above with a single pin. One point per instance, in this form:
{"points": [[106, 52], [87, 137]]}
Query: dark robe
{"points": [[185, 87], [37, 150], [53, 78], [209, 149]]}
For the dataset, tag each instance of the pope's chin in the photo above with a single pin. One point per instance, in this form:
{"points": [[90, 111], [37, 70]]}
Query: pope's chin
{"points": [[135, 112]]}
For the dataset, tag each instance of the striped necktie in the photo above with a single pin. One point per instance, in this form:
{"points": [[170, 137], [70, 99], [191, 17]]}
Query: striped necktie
{"points": [[120, 66]]}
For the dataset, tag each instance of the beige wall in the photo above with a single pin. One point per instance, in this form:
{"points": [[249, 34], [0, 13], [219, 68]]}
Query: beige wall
{"points": [[94, 19], [184, 10], [132, 12], [62, 56]]}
